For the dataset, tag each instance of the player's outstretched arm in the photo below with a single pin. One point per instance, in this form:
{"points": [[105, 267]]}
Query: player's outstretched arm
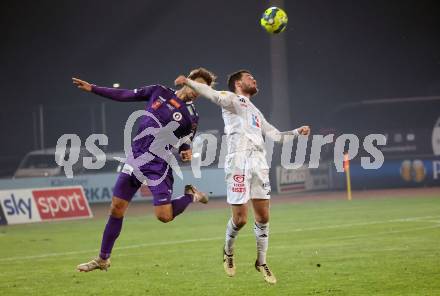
{"points": [[122, 95], [222, 98], [81, 84], [273, 133]]}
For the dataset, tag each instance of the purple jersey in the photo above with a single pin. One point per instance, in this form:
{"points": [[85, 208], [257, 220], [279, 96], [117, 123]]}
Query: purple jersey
{"points": [[163, 103]]}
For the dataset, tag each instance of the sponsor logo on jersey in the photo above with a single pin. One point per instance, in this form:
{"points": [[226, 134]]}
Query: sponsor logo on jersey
{"points": [[243, 102], [190, 109], [238, 185], [177, 116], [239, 188], [156, 104], [256, 121], [238, 178], [162, 99], [266, 186], [175, 103]]}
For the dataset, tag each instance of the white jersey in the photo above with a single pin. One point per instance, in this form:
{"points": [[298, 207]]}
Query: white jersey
{"points": [[246, 169], [245, 125]]}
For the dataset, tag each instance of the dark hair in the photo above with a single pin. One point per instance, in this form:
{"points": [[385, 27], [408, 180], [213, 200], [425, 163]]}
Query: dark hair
{"points": [[206, 75], [235, 77]]}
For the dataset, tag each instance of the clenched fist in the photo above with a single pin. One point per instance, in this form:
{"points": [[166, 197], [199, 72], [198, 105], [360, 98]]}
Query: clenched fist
{"points": [[181, 80], [186, 155], [304, 130]]}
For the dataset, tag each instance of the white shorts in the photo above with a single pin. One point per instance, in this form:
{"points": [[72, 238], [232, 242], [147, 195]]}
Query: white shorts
{"points": [[247, 176]]}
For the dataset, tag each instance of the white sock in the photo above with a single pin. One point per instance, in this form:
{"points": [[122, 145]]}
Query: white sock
{"points": [[231, 234], [262, 238]]}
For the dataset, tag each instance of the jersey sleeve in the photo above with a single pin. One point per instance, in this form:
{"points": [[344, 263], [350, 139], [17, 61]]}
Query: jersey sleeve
{"points": [[224, 99], [125, 95], [272, 132]]}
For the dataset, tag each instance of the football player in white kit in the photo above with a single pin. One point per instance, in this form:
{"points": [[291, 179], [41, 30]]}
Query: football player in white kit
{"points": [[246, 168]]}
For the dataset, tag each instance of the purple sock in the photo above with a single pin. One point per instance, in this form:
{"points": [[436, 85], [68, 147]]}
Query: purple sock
{"points": [[180, 204], [111, 233]]}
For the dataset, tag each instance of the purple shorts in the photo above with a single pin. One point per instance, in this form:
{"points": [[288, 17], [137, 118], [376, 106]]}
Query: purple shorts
{"points": [[127, 184]]}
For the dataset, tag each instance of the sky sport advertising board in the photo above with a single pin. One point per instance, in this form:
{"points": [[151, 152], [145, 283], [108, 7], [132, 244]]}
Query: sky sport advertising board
{"points": [[43, 204]]}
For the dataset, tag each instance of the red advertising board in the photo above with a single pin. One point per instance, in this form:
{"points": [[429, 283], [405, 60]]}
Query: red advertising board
{"points": [[61, 203]]}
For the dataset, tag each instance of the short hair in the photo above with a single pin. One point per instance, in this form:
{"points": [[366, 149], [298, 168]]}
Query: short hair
{"points": [[232, 78], [206, 75]]}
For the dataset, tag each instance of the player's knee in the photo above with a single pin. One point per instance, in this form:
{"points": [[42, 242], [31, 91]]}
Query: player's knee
{"points": [[164, 217], [240, 221], [263, 219], [117, 212], [118, 208]]}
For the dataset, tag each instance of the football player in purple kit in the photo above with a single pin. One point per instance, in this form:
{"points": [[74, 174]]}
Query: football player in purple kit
{"points": [[166, 105]]}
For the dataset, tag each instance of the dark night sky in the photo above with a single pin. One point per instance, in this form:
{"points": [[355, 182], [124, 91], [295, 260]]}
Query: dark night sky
{"points": [[338, 52]]}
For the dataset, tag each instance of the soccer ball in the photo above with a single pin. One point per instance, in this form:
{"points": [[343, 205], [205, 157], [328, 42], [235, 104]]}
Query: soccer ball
{"points": [[274, 20]]}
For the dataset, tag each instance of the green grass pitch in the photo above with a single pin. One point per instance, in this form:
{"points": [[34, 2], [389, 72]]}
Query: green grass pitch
{"points": [[373, 246]]}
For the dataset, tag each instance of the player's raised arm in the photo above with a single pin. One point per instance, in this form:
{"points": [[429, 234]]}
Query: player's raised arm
{"points": [[122, 95], [273, 133], [222, 98]]}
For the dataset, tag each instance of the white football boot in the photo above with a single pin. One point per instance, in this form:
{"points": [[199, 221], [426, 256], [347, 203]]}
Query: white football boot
{"points": [[96, 263], [268, 275]]}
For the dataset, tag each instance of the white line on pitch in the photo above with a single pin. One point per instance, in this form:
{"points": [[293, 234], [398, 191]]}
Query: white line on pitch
{"points": [[349, 225], [384, 232], [166, 243], [349, 237]]}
